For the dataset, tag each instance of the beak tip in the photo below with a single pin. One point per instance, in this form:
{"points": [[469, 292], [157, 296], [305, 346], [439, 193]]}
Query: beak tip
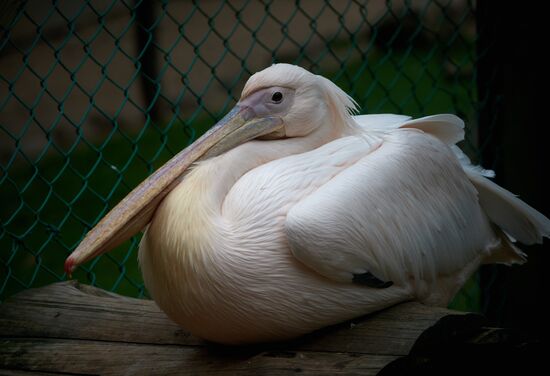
{"points": [[69, 266]]}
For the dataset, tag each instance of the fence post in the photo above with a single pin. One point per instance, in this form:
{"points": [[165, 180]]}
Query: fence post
{"points": [[146, 36], [513, 143]]}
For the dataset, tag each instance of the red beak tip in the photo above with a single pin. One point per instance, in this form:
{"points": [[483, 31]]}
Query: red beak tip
{"points": [[69, 266]]}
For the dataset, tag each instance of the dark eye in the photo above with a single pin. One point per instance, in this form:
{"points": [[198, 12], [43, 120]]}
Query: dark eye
{"points": [[277, 97]]}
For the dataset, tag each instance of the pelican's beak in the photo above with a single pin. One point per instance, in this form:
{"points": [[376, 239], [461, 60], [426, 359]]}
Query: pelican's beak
{"points": [[135, 211]]}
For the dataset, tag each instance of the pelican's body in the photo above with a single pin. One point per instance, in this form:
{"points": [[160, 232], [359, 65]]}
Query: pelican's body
{"points": [[332, 217], [223, 232]]}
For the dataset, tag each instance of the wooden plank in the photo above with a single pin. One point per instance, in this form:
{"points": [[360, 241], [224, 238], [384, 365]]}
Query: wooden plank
{"points": [[74, 311], [391, 332], [15, 372], [77, 329], [115, 358]]}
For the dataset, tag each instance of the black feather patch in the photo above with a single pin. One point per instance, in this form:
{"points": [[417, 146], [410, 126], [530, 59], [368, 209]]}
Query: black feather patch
{"points": [[368, 279]]}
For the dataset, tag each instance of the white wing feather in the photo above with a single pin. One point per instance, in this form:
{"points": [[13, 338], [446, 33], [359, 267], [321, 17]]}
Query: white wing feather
{"points": [[446, 127], [404, 212], [511, 214], [380, 122], [517, 219]]}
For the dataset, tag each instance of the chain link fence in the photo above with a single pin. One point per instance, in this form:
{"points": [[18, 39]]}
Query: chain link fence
{"points": [[95, 95]]}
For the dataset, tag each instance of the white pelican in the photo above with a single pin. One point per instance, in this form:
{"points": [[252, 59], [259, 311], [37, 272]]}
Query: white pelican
{"points": [[291, 214]]}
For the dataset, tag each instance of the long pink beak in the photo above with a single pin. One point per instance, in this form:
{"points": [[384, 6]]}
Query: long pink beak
{"points": [[136, 210]]}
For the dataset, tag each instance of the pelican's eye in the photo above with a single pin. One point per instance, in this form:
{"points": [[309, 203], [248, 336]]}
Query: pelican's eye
{"points": [[277, 97]]}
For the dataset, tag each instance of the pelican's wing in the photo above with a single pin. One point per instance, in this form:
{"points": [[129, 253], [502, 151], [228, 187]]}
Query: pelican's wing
{"points": [[406, 211], [380, 121], [447, 127]]}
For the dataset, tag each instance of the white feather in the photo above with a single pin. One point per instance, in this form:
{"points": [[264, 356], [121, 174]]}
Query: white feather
{"points": [[404, 212], [515, 217], [446, 127]]}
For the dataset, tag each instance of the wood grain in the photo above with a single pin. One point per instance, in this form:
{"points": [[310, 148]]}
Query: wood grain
{"points": [[78, 329]]}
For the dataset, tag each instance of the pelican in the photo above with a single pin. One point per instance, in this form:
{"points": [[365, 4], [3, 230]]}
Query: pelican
{"points": [[292, 214]]}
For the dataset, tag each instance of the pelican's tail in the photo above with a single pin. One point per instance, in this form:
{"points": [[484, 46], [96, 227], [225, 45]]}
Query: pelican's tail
{"points": [[512, 215], [515, 219]]}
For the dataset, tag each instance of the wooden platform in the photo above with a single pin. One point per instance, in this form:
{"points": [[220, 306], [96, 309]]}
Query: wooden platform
{"points": [[70, 328]]}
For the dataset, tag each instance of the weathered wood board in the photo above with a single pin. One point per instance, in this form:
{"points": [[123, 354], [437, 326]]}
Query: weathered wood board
{"points": [[71, 328]]}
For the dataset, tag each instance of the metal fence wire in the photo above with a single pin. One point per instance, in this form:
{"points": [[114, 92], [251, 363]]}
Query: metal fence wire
{"points": [[95, 95]]}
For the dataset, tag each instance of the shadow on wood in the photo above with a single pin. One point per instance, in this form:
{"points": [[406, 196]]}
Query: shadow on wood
{"points": [[72, 328]]}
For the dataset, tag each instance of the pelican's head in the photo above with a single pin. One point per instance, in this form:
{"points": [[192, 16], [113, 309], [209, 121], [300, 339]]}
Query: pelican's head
{"points": [[281, 101], [302, 100]]}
